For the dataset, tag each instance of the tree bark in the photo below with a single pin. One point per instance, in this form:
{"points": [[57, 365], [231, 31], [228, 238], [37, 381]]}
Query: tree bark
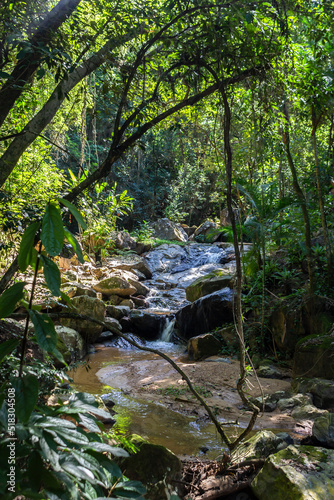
{"points": [[238, 286], [38, 123], [27, 66], [301, 199]]}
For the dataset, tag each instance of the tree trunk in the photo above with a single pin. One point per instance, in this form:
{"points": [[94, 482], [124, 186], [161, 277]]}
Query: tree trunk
{"points": [[38, 123], [315, 122], [238, 287], [302, 201], [27, 66]]}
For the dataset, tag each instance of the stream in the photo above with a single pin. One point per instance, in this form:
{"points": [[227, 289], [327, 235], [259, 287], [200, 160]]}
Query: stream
{"points": [[115, 367]]}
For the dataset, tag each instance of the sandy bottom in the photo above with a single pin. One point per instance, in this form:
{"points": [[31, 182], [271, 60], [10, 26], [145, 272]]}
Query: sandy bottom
{"points": [[215, 378]]}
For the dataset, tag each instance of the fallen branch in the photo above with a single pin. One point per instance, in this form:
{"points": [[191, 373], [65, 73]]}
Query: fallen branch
{"points": [[73, 315]]}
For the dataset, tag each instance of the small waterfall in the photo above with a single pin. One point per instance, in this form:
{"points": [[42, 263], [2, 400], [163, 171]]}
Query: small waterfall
{"points": [[167, 332]]}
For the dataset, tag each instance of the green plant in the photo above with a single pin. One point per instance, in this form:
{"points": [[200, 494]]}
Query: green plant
{"points": [[143, 232], [53, 452]]}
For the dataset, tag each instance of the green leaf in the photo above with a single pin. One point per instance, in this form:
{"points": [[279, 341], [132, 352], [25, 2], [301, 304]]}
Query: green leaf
{"points": [[75, 244], [52, 235], [26, 395], [117, 452], [7, 347], [10, 298], [26, 255], [52, 275], [46, 334], [75, 212]]}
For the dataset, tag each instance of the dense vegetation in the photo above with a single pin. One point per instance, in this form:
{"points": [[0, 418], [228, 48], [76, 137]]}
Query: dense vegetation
{"points": [[114, 114]]}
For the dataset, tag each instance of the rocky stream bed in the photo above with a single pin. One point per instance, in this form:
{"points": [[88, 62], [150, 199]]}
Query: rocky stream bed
{"points": [[172, 299]]}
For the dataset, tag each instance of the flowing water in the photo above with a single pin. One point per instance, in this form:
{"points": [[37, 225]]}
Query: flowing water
{"points": [[174, 268]]}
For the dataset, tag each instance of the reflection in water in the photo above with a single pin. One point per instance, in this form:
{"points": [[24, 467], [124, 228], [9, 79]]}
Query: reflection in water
{"points": [[181, 434]]}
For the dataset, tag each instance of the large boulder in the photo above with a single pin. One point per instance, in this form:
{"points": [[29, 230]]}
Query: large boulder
{"points": [[205, 228], [144, 324], [73, 341], [115, 285], [131, 263], [154, 465], [166, 257], [322, 390], [314, 357], [165, 229], [296, 473], [323, 430], [261, 445], [203, 346], [205, 314], [88, 306], [204, 285]]}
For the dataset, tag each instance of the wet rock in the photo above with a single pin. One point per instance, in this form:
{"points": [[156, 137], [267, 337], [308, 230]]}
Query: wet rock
{"points": [[203, 346], [115, 285], [166, 257], [205, 314], [322, 390], [153, 465], [165, 229], [216, 280], [113, 325], [297, 473], [88, 306], [261, 445], [323, 430], [140, 288], [117, 312], [144, 324], [104, 336], [314, 357], [73, 341], [139, 302]]}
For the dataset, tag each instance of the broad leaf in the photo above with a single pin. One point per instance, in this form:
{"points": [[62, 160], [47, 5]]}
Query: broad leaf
{"points": [[10, 298], [52, 235], [52, 275], [46, 334], [75, 244], [26, 394], [117, 452], [7, 347], [75, 212], [26, 254]]}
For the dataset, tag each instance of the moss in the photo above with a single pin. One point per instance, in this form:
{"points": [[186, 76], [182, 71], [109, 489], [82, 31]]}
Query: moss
{"points": [[319, 341]]}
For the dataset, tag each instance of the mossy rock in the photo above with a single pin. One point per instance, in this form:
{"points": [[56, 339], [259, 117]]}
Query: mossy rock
{"points": [[153, 465], [314, 357], [296, 473], [203, 346], [212, 282], [88, 306], [115, 285], [261, 445]]}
